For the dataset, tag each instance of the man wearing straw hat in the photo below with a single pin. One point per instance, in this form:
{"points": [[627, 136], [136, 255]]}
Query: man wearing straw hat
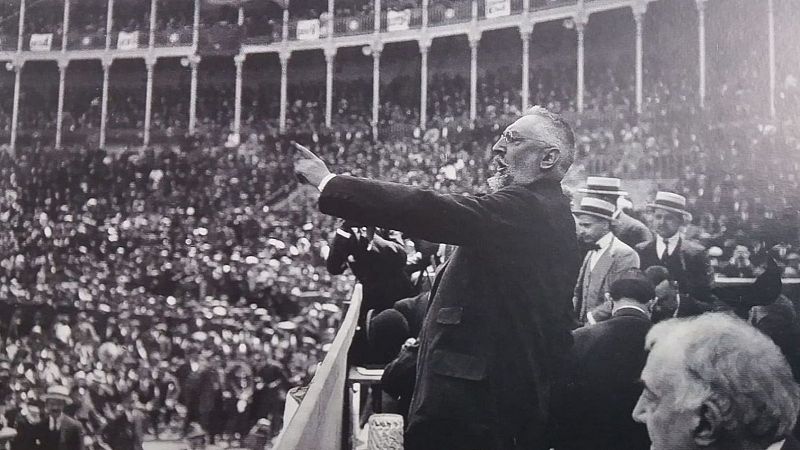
{"points": [[608, 257], [58, 431], [625, 227], [685, 259]]}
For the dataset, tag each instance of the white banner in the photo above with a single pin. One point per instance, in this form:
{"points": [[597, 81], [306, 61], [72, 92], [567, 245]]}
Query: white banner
{"points": [[398, 20], [307, 30], [128, 40], [498, 8], [41, 42]]}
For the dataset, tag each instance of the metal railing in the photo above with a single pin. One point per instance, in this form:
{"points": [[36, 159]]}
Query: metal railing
{"points": [[179, 37], [348, 26], [458, 12], [8, 42], [77, 40]]}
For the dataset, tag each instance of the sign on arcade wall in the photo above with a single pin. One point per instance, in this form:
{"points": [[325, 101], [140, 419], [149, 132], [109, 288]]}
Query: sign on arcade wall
{"points": [[41, 42], [398, 20], [498, 8], [128, 40], [307, 30]]}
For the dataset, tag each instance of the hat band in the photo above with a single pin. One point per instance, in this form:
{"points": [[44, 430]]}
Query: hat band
{"points": [[595, 187], [595, 210], [669, 204]]}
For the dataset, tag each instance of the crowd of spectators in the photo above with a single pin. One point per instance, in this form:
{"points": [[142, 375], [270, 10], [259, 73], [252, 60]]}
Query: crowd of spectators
{"points": [[160, 271]]}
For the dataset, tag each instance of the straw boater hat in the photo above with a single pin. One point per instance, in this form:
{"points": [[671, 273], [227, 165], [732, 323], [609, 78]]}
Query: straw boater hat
{"points": [[57, 393], [603, 186], [671, 202], [595, 207]]}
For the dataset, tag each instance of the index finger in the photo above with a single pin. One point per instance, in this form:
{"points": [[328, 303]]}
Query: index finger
{"points": [[303, 149]]}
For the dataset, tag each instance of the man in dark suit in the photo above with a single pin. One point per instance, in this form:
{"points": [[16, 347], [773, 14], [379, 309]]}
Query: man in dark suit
{"points": [[608, 257], [500, 312], [377, 259], [625, 227], [594, 412], [714, 382], [58, 431], [126, 430], [685, 259]]}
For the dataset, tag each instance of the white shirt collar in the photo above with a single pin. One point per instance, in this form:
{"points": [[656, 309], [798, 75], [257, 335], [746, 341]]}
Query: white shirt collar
{"points": [[605, 241], [642, 310], [673, 243], [56, 420], [777, 445]]}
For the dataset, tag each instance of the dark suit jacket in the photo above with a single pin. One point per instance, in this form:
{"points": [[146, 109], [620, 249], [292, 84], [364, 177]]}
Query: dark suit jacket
{"points": [[71, 433], [791, 444], [687, 264], [378, 265], [122, 434], [592, 409], [500, 308], [630, 230]]}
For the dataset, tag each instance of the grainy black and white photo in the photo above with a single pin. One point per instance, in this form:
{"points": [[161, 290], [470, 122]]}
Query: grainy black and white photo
{"points": [[399, 224]]}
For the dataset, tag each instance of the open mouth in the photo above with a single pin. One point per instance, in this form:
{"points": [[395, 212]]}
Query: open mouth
{"points": [[500, 166]]}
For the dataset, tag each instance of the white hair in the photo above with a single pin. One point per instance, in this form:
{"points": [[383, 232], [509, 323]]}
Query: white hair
{"points": [[736, 367]]}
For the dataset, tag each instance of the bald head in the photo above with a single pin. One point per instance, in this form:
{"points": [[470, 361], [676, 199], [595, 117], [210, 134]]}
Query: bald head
{"points": [[554, 131]]}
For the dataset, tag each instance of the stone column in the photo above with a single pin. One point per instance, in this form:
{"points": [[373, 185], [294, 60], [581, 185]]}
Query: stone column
{"points": [[62, 78], [330, 58], [106, 62], [424, 47]]}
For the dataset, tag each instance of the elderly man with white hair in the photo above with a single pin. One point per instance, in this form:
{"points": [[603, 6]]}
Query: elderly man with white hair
{"points": [[714, 382]]}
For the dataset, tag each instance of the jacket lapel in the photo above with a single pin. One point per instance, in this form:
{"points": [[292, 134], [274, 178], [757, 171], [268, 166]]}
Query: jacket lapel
{"points": [[603, 265]]}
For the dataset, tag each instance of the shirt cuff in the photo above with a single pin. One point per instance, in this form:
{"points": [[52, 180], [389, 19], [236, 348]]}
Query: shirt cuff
{"points": [[343, 233], [325, 181]]}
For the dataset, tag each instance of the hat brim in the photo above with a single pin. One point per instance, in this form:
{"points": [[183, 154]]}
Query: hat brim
{"points": [[581, 212], [683, 212], [601, 192], [63, 398]]}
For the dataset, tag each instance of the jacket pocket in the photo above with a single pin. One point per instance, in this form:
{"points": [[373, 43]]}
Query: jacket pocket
{"points": [[449, 316], [458, 365]]}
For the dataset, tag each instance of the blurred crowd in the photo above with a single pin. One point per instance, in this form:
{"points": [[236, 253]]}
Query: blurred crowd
{"points": [[165, 271]]}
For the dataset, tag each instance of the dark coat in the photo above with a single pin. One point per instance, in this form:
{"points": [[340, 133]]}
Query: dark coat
{"points": [[124, 434], [379, 265], [70, 438], [500, 308], [791, 444], [687, 264], [592, 410], [630, 230]]}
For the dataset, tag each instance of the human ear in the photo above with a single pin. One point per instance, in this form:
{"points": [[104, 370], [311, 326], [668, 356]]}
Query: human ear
{"points": [[549, 158], [707, 424]]}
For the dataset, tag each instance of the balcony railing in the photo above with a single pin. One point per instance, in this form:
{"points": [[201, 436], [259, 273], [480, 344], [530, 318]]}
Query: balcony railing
{"points": [[179, 37], [439, 14], [348, 26], [8, 42], [86, 41], [459, 12]]}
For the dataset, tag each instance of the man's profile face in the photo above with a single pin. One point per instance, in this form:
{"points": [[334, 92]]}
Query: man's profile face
{"points": [[669, 425], [516, 154], [666, 223], [590, 228]]}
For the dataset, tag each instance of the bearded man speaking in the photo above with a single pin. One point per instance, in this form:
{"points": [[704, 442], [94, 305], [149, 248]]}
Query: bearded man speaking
{"points": [[500, 309]]}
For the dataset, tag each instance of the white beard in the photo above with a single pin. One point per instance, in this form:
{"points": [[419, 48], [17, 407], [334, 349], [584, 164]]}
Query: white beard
{"points": [[499, 181]]}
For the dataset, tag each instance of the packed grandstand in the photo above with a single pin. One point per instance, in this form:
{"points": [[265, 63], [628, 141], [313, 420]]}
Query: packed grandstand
{"points": [[108, 254]]}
